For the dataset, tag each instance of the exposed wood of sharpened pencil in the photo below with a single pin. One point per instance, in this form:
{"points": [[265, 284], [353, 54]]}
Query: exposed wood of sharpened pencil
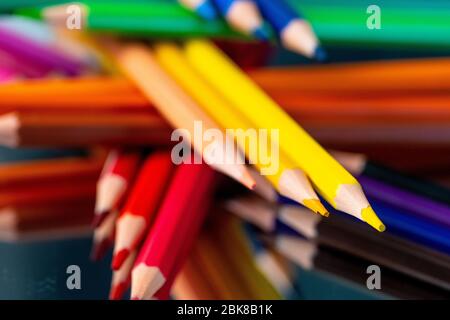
{"points": [[117, 175]]}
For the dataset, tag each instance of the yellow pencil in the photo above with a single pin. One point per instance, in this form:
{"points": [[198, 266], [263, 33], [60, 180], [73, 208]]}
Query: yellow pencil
{"points": [[288, 180], [181, 111], [333, 182]]}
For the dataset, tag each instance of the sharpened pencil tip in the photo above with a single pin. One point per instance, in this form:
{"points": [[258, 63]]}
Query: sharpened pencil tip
{"points": [[98, 218], [119, 259], [371, 218], [247, 180], [117, 291], [261, 33], [206, 11], [320, 54], [316, 206]]}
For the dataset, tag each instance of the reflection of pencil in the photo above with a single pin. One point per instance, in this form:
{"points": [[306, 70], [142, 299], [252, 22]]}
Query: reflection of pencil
{"points": [[181, 111], [117, 175], [104, 236], [385, 249], [141, 205], [334, 183]]}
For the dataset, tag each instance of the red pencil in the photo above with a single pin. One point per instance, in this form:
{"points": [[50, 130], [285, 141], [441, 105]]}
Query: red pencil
{"points": [[202, 208], [117, 174], [141, 205], [178, 220], [121, 278]]}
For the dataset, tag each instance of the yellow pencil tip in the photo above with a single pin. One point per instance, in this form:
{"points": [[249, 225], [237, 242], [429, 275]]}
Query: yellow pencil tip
{"points": [[370, 217], [316, 206]]}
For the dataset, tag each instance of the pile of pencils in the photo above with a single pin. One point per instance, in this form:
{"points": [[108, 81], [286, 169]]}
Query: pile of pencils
{"points": [[340, 152]]}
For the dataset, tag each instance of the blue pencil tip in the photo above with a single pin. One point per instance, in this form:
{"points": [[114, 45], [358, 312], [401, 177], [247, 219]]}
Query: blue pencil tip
{"points": [[261, 33], [206, 10], [320, 54]]}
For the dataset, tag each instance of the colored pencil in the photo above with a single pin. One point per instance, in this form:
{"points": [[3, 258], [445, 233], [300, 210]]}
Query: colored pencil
{"points": [[118, 173], [294, 31], [269, 217], [332, 181], [271, 265], [179, 217], [406, 200], [392, 251], [121, 278], [180, 110], [104, 236], [309, 256], [71, 130], [204, 8], [31, 51], [289, 181], [358, 164], [20, 217], [49, 170], [155, 19], [47, 193], [244, 16], [233, 244], [214, 267], [192, 284], [141, 205], [411, 76], [415, 228]]}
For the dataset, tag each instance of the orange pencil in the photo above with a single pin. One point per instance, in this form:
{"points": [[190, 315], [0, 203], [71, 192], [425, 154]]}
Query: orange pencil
{"points": [[141, 205], [182, 112], [117, 175]]}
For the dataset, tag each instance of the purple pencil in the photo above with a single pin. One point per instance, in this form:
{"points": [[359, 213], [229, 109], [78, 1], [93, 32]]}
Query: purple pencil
{"points": [[37, 54], [412, 202]]}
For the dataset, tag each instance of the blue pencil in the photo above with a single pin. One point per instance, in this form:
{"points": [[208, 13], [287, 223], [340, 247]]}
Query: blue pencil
{"points": [[244, 16], [413, 228], [294, 31], [203, 8]]}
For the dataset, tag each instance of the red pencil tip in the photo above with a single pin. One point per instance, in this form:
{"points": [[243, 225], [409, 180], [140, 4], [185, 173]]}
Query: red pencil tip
{"points": [[119, 258], [117, 291], [98, 218]]}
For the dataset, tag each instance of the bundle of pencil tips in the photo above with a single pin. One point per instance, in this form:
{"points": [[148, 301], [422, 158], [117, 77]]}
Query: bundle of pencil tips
{"points": [[224, 149]]}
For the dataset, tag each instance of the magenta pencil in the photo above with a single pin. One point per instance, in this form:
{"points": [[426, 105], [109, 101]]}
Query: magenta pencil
{"points": [[36, 54]]}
